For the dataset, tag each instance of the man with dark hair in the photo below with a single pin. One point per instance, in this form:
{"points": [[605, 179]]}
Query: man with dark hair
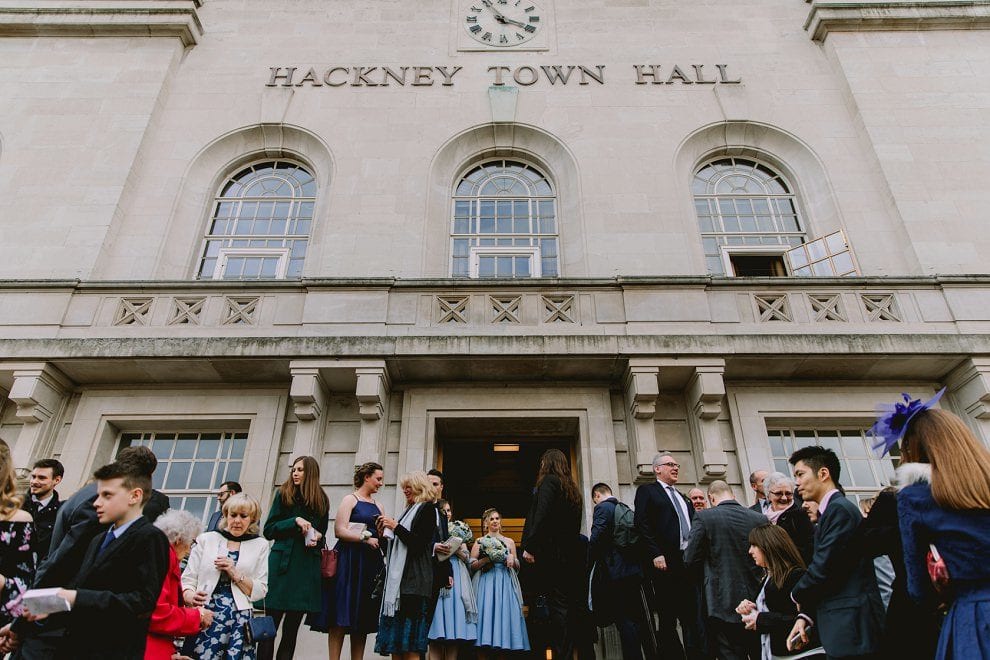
{"points": [[762, 504], [838, 593], [75, 527], [719, 545], [43, 503], [616, 589], [115, 592], [227, 489]]}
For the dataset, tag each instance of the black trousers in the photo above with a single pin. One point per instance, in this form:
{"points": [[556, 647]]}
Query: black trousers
{"points": [[732, 641], [674, 600], [287, 645]]}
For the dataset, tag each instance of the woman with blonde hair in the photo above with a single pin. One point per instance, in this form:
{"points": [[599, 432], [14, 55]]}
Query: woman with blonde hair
{"points": [[297, 523], [943, 509], [17, 562], [227, 571], [405, 615], [501, 626]]}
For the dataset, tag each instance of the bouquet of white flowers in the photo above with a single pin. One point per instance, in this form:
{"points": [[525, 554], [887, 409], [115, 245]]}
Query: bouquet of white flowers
{"points": [[495, 549], [461, 530]]}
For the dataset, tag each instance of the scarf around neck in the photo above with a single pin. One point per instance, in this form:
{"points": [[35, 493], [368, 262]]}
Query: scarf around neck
{"points": [[237, 539], [396, 563]]}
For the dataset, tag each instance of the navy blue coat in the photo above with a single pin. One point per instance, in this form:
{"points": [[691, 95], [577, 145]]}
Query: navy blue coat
{"points": [[839, 590], [619, 564]]}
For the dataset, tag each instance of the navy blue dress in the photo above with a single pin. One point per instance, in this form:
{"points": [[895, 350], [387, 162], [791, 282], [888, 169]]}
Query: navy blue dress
{"points": [[963, 540], [347, 596]]}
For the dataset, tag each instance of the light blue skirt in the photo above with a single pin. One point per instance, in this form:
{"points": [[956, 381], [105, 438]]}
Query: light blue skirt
{"points": [[500, 620], [450, 619]]}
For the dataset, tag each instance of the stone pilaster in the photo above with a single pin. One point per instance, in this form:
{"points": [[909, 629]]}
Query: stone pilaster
{"points": [[373, 391], [705, 393], [308, 393], [642, 389], [969, 387]]}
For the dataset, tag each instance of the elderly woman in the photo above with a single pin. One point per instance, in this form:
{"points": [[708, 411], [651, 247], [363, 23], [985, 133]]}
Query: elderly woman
{"points": [[227, 570], [787, 515], [405, 615], [170, 618]]}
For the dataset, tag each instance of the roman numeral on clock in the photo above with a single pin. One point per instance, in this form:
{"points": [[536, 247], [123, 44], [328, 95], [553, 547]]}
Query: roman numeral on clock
{"points": [[475, 29], [530, 28]]}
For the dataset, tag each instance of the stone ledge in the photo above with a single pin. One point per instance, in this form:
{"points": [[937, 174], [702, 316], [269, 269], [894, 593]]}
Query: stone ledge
{"points": [[891, 15], [102, 18]]}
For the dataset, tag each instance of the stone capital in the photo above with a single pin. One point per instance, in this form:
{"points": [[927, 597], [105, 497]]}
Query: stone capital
{"points": [[705, 391], [969, 385], [642, 388], [372, 391], [308, 392], [38, 391]]}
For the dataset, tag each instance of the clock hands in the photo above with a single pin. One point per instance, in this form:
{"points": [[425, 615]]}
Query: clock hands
{"points": [[501, 18]]}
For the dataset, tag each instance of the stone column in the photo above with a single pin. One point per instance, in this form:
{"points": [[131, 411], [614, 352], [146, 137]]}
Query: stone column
{"points": [[642, 389], [308, 394], [40, 392], [705, 393], [969, 389], [373, 391]]}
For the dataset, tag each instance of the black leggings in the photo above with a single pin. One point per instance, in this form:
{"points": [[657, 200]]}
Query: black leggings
{"points": [[287, 647]]}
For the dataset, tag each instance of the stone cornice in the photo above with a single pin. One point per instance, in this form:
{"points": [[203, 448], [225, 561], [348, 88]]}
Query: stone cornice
{"points": [[887, 15], [102, 18]]}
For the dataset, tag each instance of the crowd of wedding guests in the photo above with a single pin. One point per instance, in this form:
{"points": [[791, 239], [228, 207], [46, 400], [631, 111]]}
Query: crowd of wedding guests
{"points": [[803, 572]]}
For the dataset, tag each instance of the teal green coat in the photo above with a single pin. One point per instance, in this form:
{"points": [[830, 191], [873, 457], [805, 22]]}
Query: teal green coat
{"points": [[293, 569]]}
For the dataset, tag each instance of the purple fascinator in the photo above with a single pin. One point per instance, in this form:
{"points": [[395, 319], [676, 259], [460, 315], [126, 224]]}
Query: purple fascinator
{"points": [[892, 420]]}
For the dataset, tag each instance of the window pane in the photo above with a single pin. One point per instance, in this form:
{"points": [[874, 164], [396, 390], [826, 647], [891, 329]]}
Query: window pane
{"points": [[522, 267], [202, 476], [196, 506], [843, 263], [185, 446], [178, 475], [208, 446], [504, 266], [269, 268], [162, 447], [486, 266], [233, 471], [862, 475]]}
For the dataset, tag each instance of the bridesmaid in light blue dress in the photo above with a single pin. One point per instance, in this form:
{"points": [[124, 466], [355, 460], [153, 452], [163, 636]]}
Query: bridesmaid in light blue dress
{"points": [[456, 615], [501, 626]]}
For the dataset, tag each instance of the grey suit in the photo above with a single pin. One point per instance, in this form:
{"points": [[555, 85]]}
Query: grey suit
{"points": [[719, 543], [839, 590]]}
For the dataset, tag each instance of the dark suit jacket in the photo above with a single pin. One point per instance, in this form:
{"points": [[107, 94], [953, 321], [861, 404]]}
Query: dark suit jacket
{"points": [[756, 507], [117, 590], [658, 526], [44, 522], [798, 525], [552, 525], [211, 526], [779, 620], [442, 570], [719, 541], [839, 590], [157, 504]]}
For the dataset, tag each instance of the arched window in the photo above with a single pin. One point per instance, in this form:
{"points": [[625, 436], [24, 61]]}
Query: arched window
{"points": [[747, 216], [260, 224], [504, 223]]}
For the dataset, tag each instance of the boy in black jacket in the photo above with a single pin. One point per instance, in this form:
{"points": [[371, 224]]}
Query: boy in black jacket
{"points": [[116, 589]]}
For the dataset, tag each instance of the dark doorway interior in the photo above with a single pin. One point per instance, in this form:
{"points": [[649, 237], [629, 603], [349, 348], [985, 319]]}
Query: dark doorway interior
{"points": [[477, 477]]}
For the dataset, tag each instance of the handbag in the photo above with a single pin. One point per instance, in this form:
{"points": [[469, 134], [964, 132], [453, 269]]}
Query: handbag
{"points": [[937, 570], [259, 629], [378, 591], [328, 562]]}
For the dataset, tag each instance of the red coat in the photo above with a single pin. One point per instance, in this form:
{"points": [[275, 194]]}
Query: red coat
{"points": [[170, 618]]}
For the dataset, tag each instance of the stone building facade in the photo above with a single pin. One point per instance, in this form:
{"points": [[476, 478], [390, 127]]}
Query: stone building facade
{"points": [[243, 231]]}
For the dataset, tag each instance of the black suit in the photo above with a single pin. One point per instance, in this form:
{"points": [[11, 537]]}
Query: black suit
{"points": [[675, 596], [44, 522], [839, 590], [116, 592], [442, 570], [798, 525], [719, 543]]}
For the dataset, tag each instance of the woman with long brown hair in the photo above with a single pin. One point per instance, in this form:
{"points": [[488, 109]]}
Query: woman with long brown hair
{"points": [[297, 523], [550, 546], [16, 558], [773, 613], [943, 508]]}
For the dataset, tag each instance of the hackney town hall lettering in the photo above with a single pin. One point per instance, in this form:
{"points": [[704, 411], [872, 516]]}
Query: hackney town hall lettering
{"points": [[525, 76]]}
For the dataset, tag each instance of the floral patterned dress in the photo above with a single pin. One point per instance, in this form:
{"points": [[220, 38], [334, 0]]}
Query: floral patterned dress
{"points": [[17, 565]]}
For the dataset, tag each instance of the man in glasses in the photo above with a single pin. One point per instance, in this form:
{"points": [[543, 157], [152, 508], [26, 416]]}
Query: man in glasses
{"points": [[663, 519], [227, 489]]}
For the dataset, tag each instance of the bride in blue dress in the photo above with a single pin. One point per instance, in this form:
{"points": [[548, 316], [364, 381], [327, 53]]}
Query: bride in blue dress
{"points": [[501, 626]]}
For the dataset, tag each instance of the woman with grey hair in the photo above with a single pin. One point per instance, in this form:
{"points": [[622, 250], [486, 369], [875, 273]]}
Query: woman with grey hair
{"points": [[171, 618], [787, 514]]}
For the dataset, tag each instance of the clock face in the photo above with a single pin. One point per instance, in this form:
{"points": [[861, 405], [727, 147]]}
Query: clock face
{"points": [[503, 23]]}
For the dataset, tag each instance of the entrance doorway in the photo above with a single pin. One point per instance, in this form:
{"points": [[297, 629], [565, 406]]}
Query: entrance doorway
{"points": [[492, 462]]}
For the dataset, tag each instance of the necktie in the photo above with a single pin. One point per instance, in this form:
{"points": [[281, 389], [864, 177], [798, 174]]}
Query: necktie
{"points": [[681, 516], [107, 540]]}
